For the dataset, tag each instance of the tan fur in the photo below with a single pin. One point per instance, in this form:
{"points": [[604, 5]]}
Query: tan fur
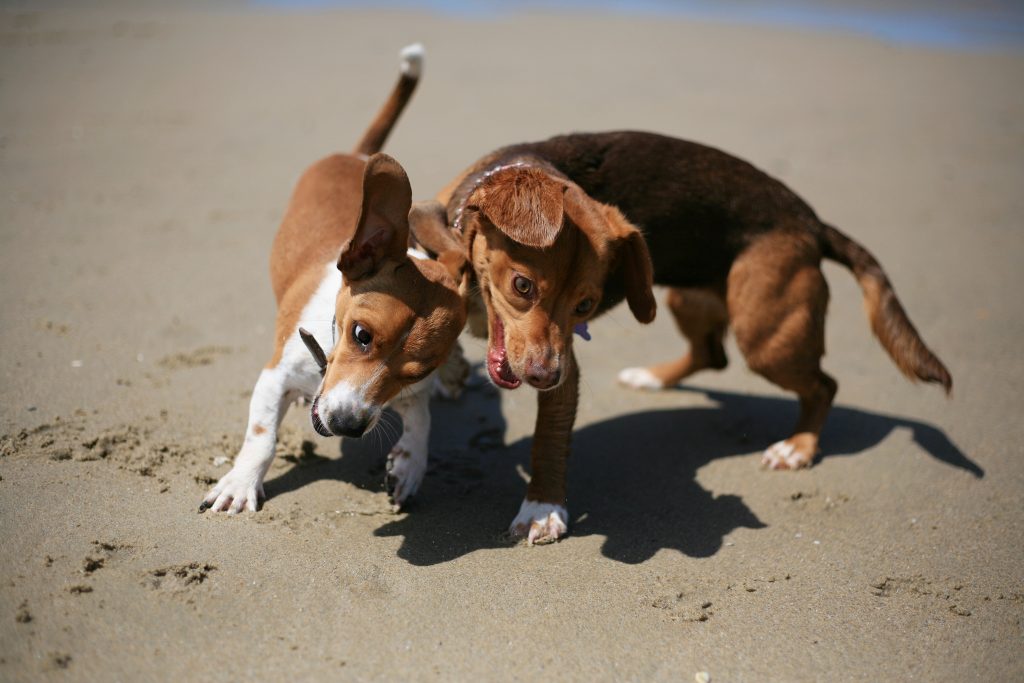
{"points": [[327, 208], [523, 203], [701, 317], [572, 245], [777, 299], [397, 318], [549, 453], [354, 209], [737, 246], [320, 218], [415, 312]]}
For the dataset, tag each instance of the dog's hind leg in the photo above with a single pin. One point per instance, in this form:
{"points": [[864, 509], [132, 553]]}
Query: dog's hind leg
{"points": [[777, 299], [702, 318]]}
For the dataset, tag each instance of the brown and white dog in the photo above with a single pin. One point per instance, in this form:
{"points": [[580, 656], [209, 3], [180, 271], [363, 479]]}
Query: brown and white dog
{"points": [[549, 228], [387, 318]]}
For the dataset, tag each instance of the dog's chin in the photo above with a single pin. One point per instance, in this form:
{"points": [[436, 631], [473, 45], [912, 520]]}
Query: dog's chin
{"points": [[497, 358]]}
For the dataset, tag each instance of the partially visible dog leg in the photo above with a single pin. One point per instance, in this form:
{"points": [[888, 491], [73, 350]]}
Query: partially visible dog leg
{"points": [[543, 517], [407, 461], [777, 300], [450, 378], [242, 487], [816, 390], [702, 318]]}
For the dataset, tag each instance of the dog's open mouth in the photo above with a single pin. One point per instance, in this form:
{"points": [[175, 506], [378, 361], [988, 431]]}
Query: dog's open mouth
{"points": [[497, 358], [318, 424]]}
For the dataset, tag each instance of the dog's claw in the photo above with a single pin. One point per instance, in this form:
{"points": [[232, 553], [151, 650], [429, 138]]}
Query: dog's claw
{"points": [[239, 490], [787, 455], [540, 523], [403, 475], [640, 378]]}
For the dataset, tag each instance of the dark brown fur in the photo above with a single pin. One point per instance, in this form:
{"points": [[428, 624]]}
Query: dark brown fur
{"points": [[735, 246]]}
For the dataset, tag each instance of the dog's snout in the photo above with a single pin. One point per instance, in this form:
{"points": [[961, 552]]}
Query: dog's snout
{"points": [[541, 376], [347, 424], [318, 423]]}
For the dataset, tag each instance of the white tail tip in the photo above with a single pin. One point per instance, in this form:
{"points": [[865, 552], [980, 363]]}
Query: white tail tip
{"points": [[412, 60]]}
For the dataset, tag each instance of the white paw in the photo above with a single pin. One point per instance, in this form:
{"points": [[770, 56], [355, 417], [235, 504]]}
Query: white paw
{"points": [[540, 522], [640, 378], [240, 489], [784, 455], [405, 473]]}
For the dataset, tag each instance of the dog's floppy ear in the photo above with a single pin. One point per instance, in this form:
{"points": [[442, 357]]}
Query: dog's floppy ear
{"points": [[630, 261], [524, 203], [428, 223], [382, 231], [634, 265]]}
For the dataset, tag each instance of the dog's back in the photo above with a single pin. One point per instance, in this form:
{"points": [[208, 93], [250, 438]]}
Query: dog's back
{"points": [[700, 208], [697, 206]]}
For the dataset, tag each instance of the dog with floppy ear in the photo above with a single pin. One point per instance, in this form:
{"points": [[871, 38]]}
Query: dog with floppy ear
{"points": [[377, 320], [735, 246], [547, 259]]}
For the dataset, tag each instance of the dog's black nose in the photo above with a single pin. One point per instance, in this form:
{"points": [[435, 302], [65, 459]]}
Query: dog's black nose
{"points": [[347, 425], [541, 377]]}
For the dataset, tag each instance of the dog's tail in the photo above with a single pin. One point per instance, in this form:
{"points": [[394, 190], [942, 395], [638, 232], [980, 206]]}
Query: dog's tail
{"points": [[377, 133], [888, 319]]}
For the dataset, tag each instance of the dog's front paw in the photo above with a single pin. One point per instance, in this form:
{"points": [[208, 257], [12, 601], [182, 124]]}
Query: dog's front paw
{"points": [[540, 522], [240, 489], [791, 454], [640, 378], [405, 472]]}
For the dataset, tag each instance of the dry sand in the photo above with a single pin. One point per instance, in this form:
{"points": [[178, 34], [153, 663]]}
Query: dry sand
{"points": [[146, 155]]}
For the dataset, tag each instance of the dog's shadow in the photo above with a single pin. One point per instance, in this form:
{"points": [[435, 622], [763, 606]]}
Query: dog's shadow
{"points": [[632, 477]]}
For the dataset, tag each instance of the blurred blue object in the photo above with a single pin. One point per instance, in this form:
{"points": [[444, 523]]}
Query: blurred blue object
{"points": [[965, 25]]}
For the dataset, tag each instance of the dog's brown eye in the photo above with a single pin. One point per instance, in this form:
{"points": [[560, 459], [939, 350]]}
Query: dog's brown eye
{"points": [[522, 285], [361, 335], [583, 307]]}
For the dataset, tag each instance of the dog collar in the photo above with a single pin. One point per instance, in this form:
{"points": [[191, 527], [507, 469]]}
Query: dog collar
{"points": [[457, 223]]}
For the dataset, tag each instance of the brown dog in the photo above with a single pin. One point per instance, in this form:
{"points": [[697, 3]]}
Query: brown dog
{"points": [[549, 230], [388, 318]]}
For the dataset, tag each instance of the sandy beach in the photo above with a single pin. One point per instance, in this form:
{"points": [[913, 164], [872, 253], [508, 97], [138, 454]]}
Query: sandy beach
{"points": [[147, 152]]}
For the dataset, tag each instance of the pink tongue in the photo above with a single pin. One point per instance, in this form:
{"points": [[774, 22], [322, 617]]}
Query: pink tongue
{"points": [[497, 357]]}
